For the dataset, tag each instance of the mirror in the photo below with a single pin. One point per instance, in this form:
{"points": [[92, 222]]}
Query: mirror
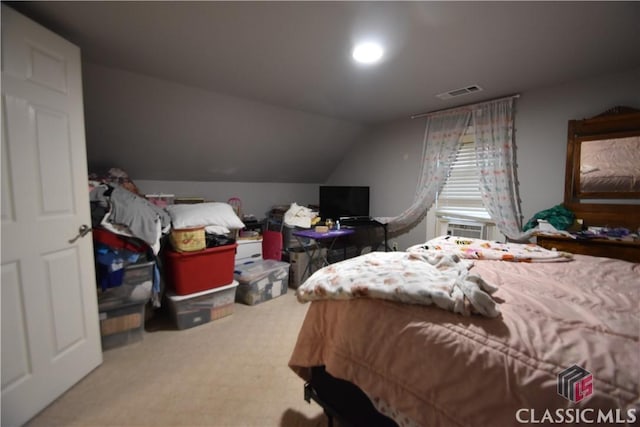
{"points": [[603, 156], [609, 167], [602, 180]]}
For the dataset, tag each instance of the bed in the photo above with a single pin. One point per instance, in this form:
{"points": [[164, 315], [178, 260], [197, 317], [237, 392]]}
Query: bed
{"points": [[571, 321]]}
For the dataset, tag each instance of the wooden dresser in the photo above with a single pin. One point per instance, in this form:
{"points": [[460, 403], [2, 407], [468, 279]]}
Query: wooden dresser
{"points": [[625, 250], [605, 202]]}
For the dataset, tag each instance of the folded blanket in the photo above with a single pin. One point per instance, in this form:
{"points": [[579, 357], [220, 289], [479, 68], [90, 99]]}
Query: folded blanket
{"points": [[425, 277], [299, 216], [470, 248]]}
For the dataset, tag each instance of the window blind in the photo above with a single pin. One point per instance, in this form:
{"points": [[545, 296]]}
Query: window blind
{"points": [[461, 191]]}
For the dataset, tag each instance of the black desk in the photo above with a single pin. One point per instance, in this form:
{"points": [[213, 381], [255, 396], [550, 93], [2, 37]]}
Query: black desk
{"points": [[359, 225]]}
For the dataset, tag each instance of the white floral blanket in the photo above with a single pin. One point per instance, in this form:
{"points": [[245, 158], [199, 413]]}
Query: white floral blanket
{"points": [[469, 248], [424, 277]]}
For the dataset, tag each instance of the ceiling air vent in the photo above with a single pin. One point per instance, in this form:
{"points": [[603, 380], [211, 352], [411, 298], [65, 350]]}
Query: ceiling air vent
{"points": [[459, 92]]}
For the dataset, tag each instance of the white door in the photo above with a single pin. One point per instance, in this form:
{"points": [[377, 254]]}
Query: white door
{"points": [[50, 331]]}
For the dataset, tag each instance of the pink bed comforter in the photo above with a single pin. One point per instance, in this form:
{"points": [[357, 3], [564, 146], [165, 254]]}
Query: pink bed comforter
{"points": [[437, 368]]}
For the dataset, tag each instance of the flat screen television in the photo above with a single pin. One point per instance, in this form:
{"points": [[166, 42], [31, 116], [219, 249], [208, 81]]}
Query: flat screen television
{"points": [[338, 202]]}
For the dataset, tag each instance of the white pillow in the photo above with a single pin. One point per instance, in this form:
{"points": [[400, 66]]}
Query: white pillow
{"points": [[204, 214]]}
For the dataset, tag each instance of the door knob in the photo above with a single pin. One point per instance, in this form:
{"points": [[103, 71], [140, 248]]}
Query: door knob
{"points": [[82, 231]]}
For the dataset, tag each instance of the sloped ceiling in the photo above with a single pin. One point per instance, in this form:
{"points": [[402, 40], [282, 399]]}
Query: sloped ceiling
{"points": [[267, 91]]}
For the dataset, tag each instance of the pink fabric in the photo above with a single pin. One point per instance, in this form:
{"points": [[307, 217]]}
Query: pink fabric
{"points": [[438, 368]]}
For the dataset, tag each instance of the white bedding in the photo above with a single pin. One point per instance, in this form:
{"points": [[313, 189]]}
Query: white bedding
{"points": [[436, 272], [469, 248], [426, 278]]}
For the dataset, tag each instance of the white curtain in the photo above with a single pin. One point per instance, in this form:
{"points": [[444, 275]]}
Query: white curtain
{"points": [[493, 125], [441, 139]]}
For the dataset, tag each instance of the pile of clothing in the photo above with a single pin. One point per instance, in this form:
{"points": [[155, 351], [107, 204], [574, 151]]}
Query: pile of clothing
{"points": [[127, 230]]}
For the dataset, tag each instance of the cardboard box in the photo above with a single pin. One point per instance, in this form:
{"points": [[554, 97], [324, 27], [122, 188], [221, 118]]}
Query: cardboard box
{"points": [[299, 262]]}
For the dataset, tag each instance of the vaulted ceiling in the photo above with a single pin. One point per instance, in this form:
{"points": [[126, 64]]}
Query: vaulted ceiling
{"points": [[297, 55]]}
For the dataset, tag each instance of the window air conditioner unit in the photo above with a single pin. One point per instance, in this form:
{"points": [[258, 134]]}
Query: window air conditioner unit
{"points": [[466, 229]]}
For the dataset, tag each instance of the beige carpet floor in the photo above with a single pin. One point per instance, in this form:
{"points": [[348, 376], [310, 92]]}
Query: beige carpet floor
{"points": [[229, 372]]}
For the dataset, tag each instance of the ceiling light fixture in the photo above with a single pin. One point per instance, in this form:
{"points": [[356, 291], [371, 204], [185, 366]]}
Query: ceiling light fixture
{"points": [[368, 53]]}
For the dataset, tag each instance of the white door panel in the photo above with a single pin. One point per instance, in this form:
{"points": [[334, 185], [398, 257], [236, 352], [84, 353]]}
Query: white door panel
{"points": [[15, 351], [50, 333]]}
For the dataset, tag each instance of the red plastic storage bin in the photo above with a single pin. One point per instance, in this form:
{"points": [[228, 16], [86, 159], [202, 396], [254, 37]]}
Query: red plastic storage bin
{"points": [[190, 272]]}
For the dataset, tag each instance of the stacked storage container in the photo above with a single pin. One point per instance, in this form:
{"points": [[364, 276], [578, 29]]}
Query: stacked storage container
{"points": [[261, 280], [121, 309], [202, 284], [202, 307]]}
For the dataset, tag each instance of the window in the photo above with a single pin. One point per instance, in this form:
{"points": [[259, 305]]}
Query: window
{"points": [[460, 196]]}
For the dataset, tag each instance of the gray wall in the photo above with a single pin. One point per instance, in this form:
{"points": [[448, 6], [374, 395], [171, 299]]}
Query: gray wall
{"points": [[257, 197], [388, 161], [161, 130], [388, 158], [182, 140]]}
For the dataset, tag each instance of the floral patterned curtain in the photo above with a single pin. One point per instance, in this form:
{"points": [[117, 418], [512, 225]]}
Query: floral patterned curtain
{"points": [[441, 139], [493, 126]]}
